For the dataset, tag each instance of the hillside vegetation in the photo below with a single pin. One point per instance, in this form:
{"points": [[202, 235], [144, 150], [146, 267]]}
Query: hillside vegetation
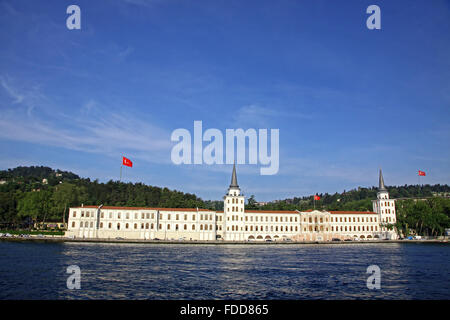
{"points": [[39, 194]]}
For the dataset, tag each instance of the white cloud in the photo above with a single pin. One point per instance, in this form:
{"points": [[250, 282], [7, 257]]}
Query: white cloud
{"points": [[98, 129]]}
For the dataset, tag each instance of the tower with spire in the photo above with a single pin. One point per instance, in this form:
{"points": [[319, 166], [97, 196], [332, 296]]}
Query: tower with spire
{"points": [[385, 207], [234, 211]]}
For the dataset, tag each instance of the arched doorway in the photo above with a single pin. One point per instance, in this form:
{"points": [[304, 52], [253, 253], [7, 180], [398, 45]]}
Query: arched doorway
{"points": [[251, 238], [259, 237]]}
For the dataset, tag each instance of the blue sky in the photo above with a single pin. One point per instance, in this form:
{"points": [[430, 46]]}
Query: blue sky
{"points": [[347, 100]]}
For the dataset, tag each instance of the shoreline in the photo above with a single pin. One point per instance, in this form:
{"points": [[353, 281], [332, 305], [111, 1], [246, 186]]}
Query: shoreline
{"points": [[152, 242]]}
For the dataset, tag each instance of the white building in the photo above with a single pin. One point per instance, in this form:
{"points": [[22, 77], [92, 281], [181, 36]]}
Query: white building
{"points": [[234, 223]]}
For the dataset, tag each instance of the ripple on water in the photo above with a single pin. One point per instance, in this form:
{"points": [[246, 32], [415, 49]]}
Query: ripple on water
{"points": [[139, 271]]}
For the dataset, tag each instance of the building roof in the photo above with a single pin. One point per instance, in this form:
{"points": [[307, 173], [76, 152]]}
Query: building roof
{"points": [[352, 212], [234, 183], [208, 210], [144, 208], [381, 186], [271, 211], [346, 212]]}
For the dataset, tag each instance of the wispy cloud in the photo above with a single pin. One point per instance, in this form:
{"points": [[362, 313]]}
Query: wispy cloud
{"points": [[97, 129], [18, 98], [257, 115]]}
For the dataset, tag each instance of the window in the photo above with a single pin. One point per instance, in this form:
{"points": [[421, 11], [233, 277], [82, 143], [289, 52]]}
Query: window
{"points": [[73, 224], [118, 226], [109, 225], [101, 225], [126, 226], [74, 214]]}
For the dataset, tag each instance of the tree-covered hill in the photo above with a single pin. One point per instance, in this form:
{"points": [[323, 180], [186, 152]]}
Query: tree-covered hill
{"points": [[359, 199], [37, 194], [43, 194]]}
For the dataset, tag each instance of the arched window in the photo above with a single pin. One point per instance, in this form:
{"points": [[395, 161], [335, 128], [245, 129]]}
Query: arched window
{"points": [[193, 227], [118, 226], [73, 224], [126, 226]]}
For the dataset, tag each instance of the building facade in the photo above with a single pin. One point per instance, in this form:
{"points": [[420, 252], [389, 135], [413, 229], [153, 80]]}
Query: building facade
{"points": [[234, 223]]}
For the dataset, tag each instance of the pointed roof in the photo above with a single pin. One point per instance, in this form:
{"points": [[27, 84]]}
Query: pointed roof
{"points": [[234, 183], [381, 186]]}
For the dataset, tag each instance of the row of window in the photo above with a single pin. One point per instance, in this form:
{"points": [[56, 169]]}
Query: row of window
{"points": [[261, 219], [146, 215], [234, 209], [263, 228], [210, 227], [355, 228], [234, 200], [149, 226], [355, 219]]}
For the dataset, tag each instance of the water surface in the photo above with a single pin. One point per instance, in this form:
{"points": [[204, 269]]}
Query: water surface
{"points": [[30, 270]]}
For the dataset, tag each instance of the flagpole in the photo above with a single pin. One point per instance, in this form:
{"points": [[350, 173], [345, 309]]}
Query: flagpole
{"points": [[121, 165], [418, 174]]}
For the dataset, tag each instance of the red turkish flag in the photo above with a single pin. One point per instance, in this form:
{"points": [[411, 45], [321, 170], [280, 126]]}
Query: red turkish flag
{"points": [[422, 173], [127, 162], [316, 197]]}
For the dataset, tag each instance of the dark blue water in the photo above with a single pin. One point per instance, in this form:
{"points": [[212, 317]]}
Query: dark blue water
{"points": [[140, 271]]}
